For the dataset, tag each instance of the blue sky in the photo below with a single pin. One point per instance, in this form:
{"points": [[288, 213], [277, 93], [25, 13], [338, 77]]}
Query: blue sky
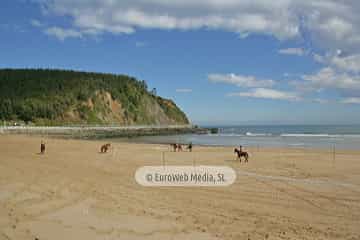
{"points": [[223, 62]]}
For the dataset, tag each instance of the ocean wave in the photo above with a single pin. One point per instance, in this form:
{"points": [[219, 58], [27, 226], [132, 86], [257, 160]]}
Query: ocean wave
{"points": [[249, 134], [296, 144], [305, 135], [320, 135], [227, 135]]}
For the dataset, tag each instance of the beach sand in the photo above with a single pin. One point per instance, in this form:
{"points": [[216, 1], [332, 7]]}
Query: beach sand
{"points": [[73, 192]]}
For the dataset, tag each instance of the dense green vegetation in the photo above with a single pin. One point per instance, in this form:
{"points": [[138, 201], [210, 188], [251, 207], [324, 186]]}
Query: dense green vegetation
{"points": [[43, 97]]}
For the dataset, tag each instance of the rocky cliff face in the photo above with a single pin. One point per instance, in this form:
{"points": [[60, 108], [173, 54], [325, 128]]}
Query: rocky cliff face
{"points": [[102, 108]]}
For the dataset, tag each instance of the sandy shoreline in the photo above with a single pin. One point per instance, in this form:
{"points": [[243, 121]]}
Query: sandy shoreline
{"points": [[73, 192]]}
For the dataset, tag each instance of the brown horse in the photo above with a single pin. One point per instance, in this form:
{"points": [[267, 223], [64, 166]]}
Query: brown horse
{"points": [[104, 148], [176, 147], [241, 153], [173, 146], [179, 147]]}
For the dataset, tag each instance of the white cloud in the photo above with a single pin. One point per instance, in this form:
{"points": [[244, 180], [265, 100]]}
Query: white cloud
{"points": [[126, 16], [184, 90], [336, 26], [348, 63], [333, 24], [351, 100], [293, 51], [240, 80], [62, 33], [259, 88], [329, 78], [330, 22], [319, 58], [340, 61], [267, 94], [341, 73]]}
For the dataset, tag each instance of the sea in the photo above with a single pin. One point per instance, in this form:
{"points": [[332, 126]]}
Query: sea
{"points": [[296, 136]]}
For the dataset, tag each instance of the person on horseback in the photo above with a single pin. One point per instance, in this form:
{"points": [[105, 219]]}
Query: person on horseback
{"points": [[190, 147], [240, 153]]}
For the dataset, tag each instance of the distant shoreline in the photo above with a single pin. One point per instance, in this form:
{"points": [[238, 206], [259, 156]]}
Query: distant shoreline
{"points": [[99, 132]]}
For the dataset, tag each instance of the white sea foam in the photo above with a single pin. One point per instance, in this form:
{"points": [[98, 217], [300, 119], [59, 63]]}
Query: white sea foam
{"points": [[227, 135], [320, 135], [249, 134], [296, 144], [305, 135]]}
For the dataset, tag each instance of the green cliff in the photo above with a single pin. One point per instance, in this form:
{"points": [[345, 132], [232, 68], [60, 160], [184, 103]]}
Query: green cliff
{"points": [[60, 97]]}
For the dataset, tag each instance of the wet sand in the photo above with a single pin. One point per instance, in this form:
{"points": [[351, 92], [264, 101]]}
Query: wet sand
{"points": [[74, 192]]}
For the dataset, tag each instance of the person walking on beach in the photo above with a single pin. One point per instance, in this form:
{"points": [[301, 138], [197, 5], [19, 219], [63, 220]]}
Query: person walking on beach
{"points": [[42, 147]]}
